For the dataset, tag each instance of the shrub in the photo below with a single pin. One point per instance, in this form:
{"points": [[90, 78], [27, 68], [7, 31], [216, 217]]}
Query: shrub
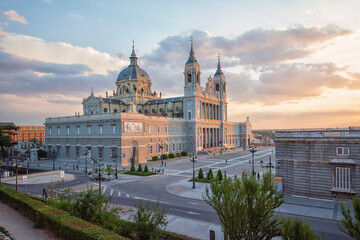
{"points": [[210, 175], [139, 168], [164, 156], [219, 175], [184, 153], [178, 154], [148, 220], [171, 155], [294, 228], [42, 153], [132, 169], [201, 174], [155, 158], [146, 169]]}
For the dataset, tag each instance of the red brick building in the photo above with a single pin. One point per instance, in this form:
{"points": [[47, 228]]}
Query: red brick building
{"points": [[29, 134]]}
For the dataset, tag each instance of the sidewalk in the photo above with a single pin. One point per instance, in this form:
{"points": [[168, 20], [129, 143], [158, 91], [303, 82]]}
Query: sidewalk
{"points": [[39, 179], [19, 226], [314, 208]]}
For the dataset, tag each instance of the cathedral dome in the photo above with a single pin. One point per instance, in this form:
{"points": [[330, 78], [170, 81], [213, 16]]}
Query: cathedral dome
{"points": [[133, 71]]}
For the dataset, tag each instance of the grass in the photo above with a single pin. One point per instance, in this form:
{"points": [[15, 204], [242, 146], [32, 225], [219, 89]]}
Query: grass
{"points": [[139, 173]]}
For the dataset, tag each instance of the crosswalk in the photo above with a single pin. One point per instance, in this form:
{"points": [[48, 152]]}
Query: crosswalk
{"points": [[110, 192]]}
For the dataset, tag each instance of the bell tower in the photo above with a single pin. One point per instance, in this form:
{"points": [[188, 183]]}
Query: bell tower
{"points": [[192, 74]]}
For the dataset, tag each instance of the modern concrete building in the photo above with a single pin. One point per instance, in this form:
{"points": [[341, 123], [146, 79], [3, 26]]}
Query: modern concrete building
{"points": [[319, 163], [136, 123]]}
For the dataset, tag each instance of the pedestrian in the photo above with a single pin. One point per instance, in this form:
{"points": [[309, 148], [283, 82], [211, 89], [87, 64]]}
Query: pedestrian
{"points": [[261, 163], [38, 164], [226, 161], [165, 164], [258, 176], [77, 167], [43, 192], [73, 166]]}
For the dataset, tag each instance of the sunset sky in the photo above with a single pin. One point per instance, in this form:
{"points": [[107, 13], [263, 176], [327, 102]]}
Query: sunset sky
{"points": [[288, 64]]}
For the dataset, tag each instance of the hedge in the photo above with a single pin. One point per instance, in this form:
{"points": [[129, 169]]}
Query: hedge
{"points": [[60, 222]]}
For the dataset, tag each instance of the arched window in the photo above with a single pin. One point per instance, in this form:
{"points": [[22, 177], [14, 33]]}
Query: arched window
{"points": [[153, 110], [217, 87], [146, 111], [124, 110], [139, 111], [224, 87], [161, 110], [123, 89], [189, 78], [198, 78]]}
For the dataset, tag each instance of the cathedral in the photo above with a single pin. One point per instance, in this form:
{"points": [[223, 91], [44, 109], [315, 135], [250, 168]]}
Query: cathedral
{"points": [[136, 123]]}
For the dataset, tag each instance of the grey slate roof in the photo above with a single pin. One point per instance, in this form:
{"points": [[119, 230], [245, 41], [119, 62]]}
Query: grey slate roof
{"points": [[164, 100]]}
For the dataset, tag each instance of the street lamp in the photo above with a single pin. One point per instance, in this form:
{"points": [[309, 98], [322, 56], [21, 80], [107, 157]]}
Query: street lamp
{"points": [[270, 163], [99, 179], [53, 155], [253, 150], [86, 153], [161, 146], [114, 155], [193, 160], [16, 166]]}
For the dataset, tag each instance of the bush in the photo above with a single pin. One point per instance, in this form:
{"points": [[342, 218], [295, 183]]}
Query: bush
{"points": [[155, 158], [164, 156], [178, 154], [297, 229], [140, 173], [139, 168], [171, 155], [219, 175], [184, 153], [42, 153], [146, 169], [148, 220], [132, 169], [201, 174], [210, 175]]}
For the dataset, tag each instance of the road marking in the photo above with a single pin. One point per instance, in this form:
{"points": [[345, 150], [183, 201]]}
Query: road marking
{"points": [[111, 192], [127, 195], [151, 200], [119, 194], [103, 192], [194, 203], [188, 212]]}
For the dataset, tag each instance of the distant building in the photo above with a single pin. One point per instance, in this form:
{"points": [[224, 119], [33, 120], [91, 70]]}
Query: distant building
{"points": [[136, 123], [319, 163], [27, 135]]}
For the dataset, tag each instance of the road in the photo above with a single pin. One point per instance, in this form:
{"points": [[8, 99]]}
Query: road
{"points": [[128, 192]]}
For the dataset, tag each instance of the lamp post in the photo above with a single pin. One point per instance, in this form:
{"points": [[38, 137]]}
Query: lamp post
{"points": [[16, 166], [161, 146], [86, 153], [114, 155], [270, 163], [193, 160], [99, 179], [253, 150], [53, 155]]}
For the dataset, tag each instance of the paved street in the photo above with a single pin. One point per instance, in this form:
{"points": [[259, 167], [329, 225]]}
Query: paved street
{"points": [[187, 212]]}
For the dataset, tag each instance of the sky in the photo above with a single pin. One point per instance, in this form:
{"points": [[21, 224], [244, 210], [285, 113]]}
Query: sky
{"points": [[288, 64]]}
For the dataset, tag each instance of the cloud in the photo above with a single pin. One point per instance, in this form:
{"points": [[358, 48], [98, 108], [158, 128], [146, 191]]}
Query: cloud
{"points": [[14, 16], [60, 53], [253, 47], [75, 16], [47, 1]]}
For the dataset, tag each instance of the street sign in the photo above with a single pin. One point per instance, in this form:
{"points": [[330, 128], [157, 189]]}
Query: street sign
{"points": [[62, 174], [278, 182], [24, 179], [123, 155]]}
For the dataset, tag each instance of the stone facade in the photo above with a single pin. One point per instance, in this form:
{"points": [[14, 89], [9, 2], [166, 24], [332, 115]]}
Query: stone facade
{"points": [[135, 121], [320, 164]]}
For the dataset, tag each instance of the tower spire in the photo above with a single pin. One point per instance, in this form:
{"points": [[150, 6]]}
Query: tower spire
{"points": [[192, 58], [218, 70]]}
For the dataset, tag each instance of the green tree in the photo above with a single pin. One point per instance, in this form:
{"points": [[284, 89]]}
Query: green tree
{"points": [[210, 175], [219, 175], [146, 169], [148, 220], [41, 153], [351, 222], [296, 229], [139, 168], [132, 169], [200, 174], [255, 200], [6, 132]]}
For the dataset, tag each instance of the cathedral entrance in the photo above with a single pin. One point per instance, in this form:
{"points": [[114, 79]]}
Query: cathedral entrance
{"points": [[134, 153]]}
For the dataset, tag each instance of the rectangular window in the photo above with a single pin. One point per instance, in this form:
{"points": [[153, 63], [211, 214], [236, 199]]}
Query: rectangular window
{"points": [[159, 149], [342, 151], [189, 115], [150, 150], [173, 147], [50, 130], [158, 129], [68, 130], [19, 134], [173, 129], [149, 129], [25, 134], [101, 151], [77, 151], [58, 130], [31, 134], [89, 129], [67, 151], [166, 148], [78, 130], [19, 139], [113, 129], [26, 139], [100, 129], [43, 139], [179, 146], [166, 129], [342, 178], [44, 133], [37, 139], [179, 128], [37, 134]]}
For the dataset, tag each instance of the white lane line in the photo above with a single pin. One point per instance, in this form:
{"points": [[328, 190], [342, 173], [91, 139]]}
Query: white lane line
{"points": [[127, 195], [119, 194], [151, 200], [111, 192], [194, 203], [103, 192], [188, 212]]}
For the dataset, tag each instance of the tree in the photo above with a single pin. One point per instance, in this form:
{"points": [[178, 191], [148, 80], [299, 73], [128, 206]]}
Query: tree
{"points": [[246, 207], [5, 137], [42, 153], [132, 169], [296, 229], [350, 222], [210, 175], [200, 174], [146, 169], [139, 168], [148, 220], [219, 175]]}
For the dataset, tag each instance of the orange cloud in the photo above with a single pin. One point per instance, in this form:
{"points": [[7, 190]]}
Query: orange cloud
{"points": [[14, 16]]}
